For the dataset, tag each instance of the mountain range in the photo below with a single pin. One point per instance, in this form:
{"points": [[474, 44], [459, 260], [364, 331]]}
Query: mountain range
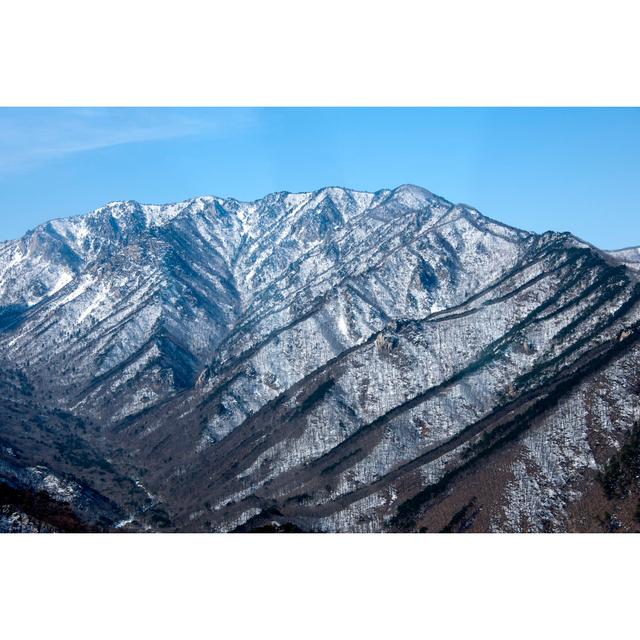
{"points": [[330, 361]]}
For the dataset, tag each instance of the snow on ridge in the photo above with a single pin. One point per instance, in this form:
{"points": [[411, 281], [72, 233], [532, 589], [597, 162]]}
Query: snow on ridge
{"points": [[630, 257], [632, 253], [18, 255], [99, 299], [83, 285], [65, 278], [76, 228], [157, 215]]}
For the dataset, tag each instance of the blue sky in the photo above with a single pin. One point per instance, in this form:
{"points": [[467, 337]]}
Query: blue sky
{"points": [[559, 168]]}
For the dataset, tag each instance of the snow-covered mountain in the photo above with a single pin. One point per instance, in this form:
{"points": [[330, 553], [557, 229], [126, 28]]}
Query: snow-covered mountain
{"points": [[326, 361], [630, 257]]}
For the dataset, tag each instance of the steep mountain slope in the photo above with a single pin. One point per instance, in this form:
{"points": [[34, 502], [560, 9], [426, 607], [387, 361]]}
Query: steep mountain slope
{"points": [[326, 361]]}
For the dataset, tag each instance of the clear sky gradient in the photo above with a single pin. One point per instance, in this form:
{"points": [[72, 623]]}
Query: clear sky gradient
{"points": [[565, 169]]}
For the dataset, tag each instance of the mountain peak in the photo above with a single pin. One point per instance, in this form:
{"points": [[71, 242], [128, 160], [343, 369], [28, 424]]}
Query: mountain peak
{"points": [[413, 189]]}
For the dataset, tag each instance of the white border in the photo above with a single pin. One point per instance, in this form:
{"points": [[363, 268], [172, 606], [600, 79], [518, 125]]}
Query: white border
{"points": [[335, 52], [324, 586]]}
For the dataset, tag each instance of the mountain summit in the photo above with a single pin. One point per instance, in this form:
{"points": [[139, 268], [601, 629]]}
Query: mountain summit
{"points": [[335, 360]]}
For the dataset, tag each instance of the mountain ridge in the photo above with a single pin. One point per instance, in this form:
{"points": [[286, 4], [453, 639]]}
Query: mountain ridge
{"points": [[269, 333]]}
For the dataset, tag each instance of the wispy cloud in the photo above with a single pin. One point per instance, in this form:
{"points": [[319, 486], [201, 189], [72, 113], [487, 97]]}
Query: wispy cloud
{"points": [[32, 136]]}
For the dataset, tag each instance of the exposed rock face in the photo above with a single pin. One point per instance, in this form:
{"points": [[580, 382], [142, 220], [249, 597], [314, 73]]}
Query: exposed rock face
{"points": [[326, 361], [624, 334], [385, 343]]}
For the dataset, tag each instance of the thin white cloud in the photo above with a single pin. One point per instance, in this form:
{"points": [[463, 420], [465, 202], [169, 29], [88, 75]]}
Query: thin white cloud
{"points": [[32, 136]]}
